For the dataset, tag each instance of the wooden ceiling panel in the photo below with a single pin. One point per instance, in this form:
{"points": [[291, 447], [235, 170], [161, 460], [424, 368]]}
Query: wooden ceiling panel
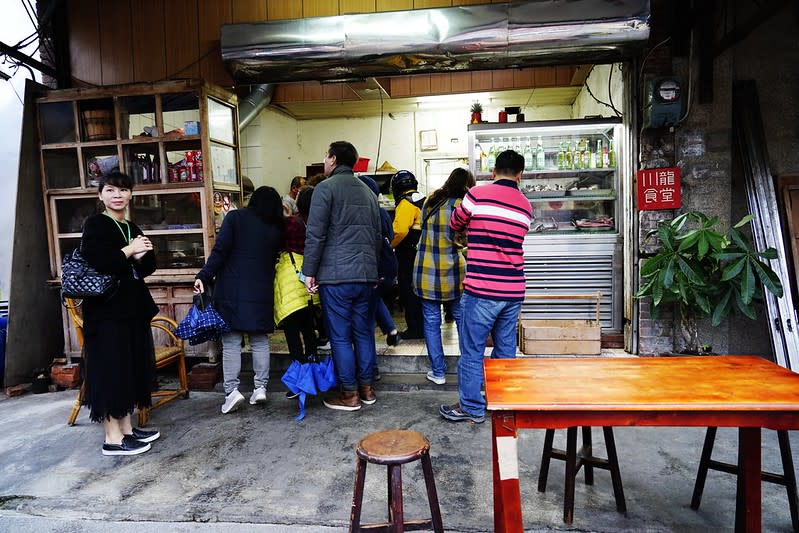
{"points": [[393, 5], [249, 11], [116, 41], [356, 6], [149, 50], [182, 40], [319, 8], [84, 28], [212, 15], [283, 9], [560, 96]]}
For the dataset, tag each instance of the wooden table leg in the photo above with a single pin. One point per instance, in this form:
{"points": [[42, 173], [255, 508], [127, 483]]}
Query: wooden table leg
{"points": [[747, 509], [507, 498]]}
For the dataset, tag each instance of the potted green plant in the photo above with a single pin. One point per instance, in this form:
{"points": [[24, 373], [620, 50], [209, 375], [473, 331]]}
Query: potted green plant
{"points": [[706, 273], [477, 110]]}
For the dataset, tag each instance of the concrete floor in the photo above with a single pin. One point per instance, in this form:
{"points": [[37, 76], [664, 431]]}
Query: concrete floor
{"points": [[259, 470]]}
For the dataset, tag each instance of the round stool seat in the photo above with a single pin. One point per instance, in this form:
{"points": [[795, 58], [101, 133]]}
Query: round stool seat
{"points": [[392, 447]]}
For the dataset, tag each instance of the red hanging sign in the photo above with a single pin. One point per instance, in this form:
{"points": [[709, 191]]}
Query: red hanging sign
{"points": [[659, 188]]}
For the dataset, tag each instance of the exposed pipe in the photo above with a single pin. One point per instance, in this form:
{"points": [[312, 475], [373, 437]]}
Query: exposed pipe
{"points": [[489, 36], [253, 103]]}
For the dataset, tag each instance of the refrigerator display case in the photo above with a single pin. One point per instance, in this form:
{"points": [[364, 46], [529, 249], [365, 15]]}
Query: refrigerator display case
{"points": [[572, 181]]}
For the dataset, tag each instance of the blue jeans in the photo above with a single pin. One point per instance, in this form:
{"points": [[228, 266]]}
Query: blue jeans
{"points": [[431, 312], [383, 315], [349, 314], [499, 318]]}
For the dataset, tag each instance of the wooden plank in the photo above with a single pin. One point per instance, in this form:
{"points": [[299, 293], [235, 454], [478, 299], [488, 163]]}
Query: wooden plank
{"points": [[319, 8], [212, 15], [332, 91], [84, 41], [116, 41], [564, 74], [481, 80], [182, 39], [249, 11], [393, 5], [544, 76], [579, 75], [149, 45], [560, 347], [523, 78], [467, 2], [461, 82], [420, 85], [441, 83], [312, 91], [502, 79], [356, 6], [559, 330], [283, 9], [422, 4], [288, 92], [400, 86]]}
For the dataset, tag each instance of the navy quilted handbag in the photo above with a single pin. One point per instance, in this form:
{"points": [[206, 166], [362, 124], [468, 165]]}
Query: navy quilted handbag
{"points": [[79, 280]]}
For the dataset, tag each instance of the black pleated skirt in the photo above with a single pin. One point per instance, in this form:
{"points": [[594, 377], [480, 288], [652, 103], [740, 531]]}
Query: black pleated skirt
{"points": [[119, 363]]}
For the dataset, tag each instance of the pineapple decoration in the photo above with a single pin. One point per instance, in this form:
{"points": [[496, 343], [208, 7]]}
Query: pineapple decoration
{"points": [[477, 110]]}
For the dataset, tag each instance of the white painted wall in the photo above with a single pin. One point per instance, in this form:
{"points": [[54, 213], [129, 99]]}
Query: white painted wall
{"points": [[276, 147], [586, 106], [14, 26], [269, 150]]}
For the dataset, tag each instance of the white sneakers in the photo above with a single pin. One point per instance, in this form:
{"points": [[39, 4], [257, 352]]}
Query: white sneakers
{"points": [[258, 396], [232, 402], [435, 379]]}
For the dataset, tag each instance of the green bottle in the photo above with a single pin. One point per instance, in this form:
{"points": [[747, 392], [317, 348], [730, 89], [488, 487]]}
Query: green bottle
{"points": [[611, 155]]}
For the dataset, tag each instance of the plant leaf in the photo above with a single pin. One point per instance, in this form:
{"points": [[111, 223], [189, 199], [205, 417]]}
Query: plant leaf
{"points": [[733, 269], [722, 308], [768, 278], [747, 284]]}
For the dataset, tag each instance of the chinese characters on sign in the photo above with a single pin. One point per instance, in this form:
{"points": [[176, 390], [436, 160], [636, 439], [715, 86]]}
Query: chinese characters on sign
{"points": [[658, 188]]}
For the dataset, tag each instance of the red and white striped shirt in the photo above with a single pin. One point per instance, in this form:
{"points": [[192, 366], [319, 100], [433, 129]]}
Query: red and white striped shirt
{"points": [[496, 217]]}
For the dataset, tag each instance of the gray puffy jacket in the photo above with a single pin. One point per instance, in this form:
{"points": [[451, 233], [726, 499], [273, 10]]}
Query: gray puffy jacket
{"points": [[342, 238]]}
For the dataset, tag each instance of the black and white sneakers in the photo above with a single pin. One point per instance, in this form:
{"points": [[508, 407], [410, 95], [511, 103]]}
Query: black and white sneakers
{"points": [[142, 435], [135, 443], [129, 446]]}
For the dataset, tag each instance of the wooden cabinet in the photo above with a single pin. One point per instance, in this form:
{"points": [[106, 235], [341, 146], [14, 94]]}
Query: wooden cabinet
{"points": [[177, 140]]}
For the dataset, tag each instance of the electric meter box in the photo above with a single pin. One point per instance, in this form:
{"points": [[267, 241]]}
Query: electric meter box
{"points": [[663, 103]]}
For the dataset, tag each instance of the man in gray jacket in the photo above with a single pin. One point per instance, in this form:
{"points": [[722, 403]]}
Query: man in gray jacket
{"points": [[342, 248]]}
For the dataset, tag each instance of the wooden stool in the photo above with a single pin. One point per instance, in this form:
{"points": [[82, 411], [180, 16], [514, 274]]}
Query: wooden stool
{"points": [[787, 479], [583, 458], [394, 448]]}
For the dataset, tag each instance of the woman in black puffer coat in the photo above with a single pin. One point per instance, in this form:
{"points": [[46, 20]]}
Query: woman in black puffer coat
{"points": [[242, 263]]}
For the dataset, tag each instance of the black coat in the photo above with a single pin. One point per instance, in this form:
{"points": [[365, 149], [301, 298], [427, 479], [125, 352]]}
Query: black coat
{"points": [[102, 245], [243, 265]]}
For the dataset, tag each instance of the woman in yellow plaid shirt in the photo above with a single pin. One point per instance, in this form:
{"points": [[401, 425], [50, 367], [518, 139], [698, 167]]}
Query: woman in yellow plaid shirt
{"points": [[440, 267]]}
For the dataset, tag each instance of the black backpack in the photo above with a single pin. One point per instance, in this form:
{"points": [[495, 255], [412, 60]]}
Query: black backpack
{"points": [[387, 265]]}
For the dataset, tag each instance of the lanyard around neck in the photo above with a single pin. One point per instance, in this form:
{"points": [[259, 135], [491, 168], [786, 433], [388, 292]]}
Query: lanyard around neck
{"points": [[127, 227]]}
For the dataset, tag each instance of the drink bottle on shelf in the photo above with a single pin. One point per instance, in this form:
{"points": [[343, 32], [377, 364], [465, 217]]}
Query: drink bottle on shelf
{"points": [[540, 161], [528, 156]]}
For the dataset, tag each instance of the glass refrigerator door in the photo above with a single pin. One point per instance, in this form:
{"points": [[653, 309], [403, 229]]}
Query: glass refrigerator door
{"points": [[570, 170]]}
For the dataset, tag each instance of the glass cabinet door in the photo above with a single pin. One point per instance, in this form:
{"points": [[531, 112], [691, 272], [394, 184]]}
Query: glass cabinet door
{"points": [[569, 172]]}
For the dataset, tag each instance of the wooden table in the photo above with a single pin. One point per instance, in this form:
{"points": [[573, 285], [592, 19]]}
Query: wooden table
{"points": [[746, 392]]}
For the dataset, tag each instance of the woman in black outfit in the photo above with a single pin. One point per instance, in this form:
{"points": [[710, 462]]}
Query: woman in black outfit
{"points": [[118, 342], [242, 263]]}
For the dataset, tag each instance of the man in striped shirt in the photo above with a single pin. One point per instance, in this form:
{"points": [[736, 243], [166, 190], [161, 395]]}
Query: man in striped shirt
{"points": [[496, 218]]}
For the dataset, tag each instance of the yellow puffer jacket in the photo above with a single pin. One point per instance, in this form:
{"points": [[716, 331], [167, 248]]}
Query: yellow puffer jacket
{"points": [[290, 292]]}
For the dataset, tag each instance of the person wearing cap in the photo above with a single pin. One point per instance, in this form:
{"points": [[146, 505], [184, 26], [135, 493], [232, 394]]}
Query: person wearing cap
{"points": [[387, 270], [496, 217], [342, 249], [407, 229]]}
